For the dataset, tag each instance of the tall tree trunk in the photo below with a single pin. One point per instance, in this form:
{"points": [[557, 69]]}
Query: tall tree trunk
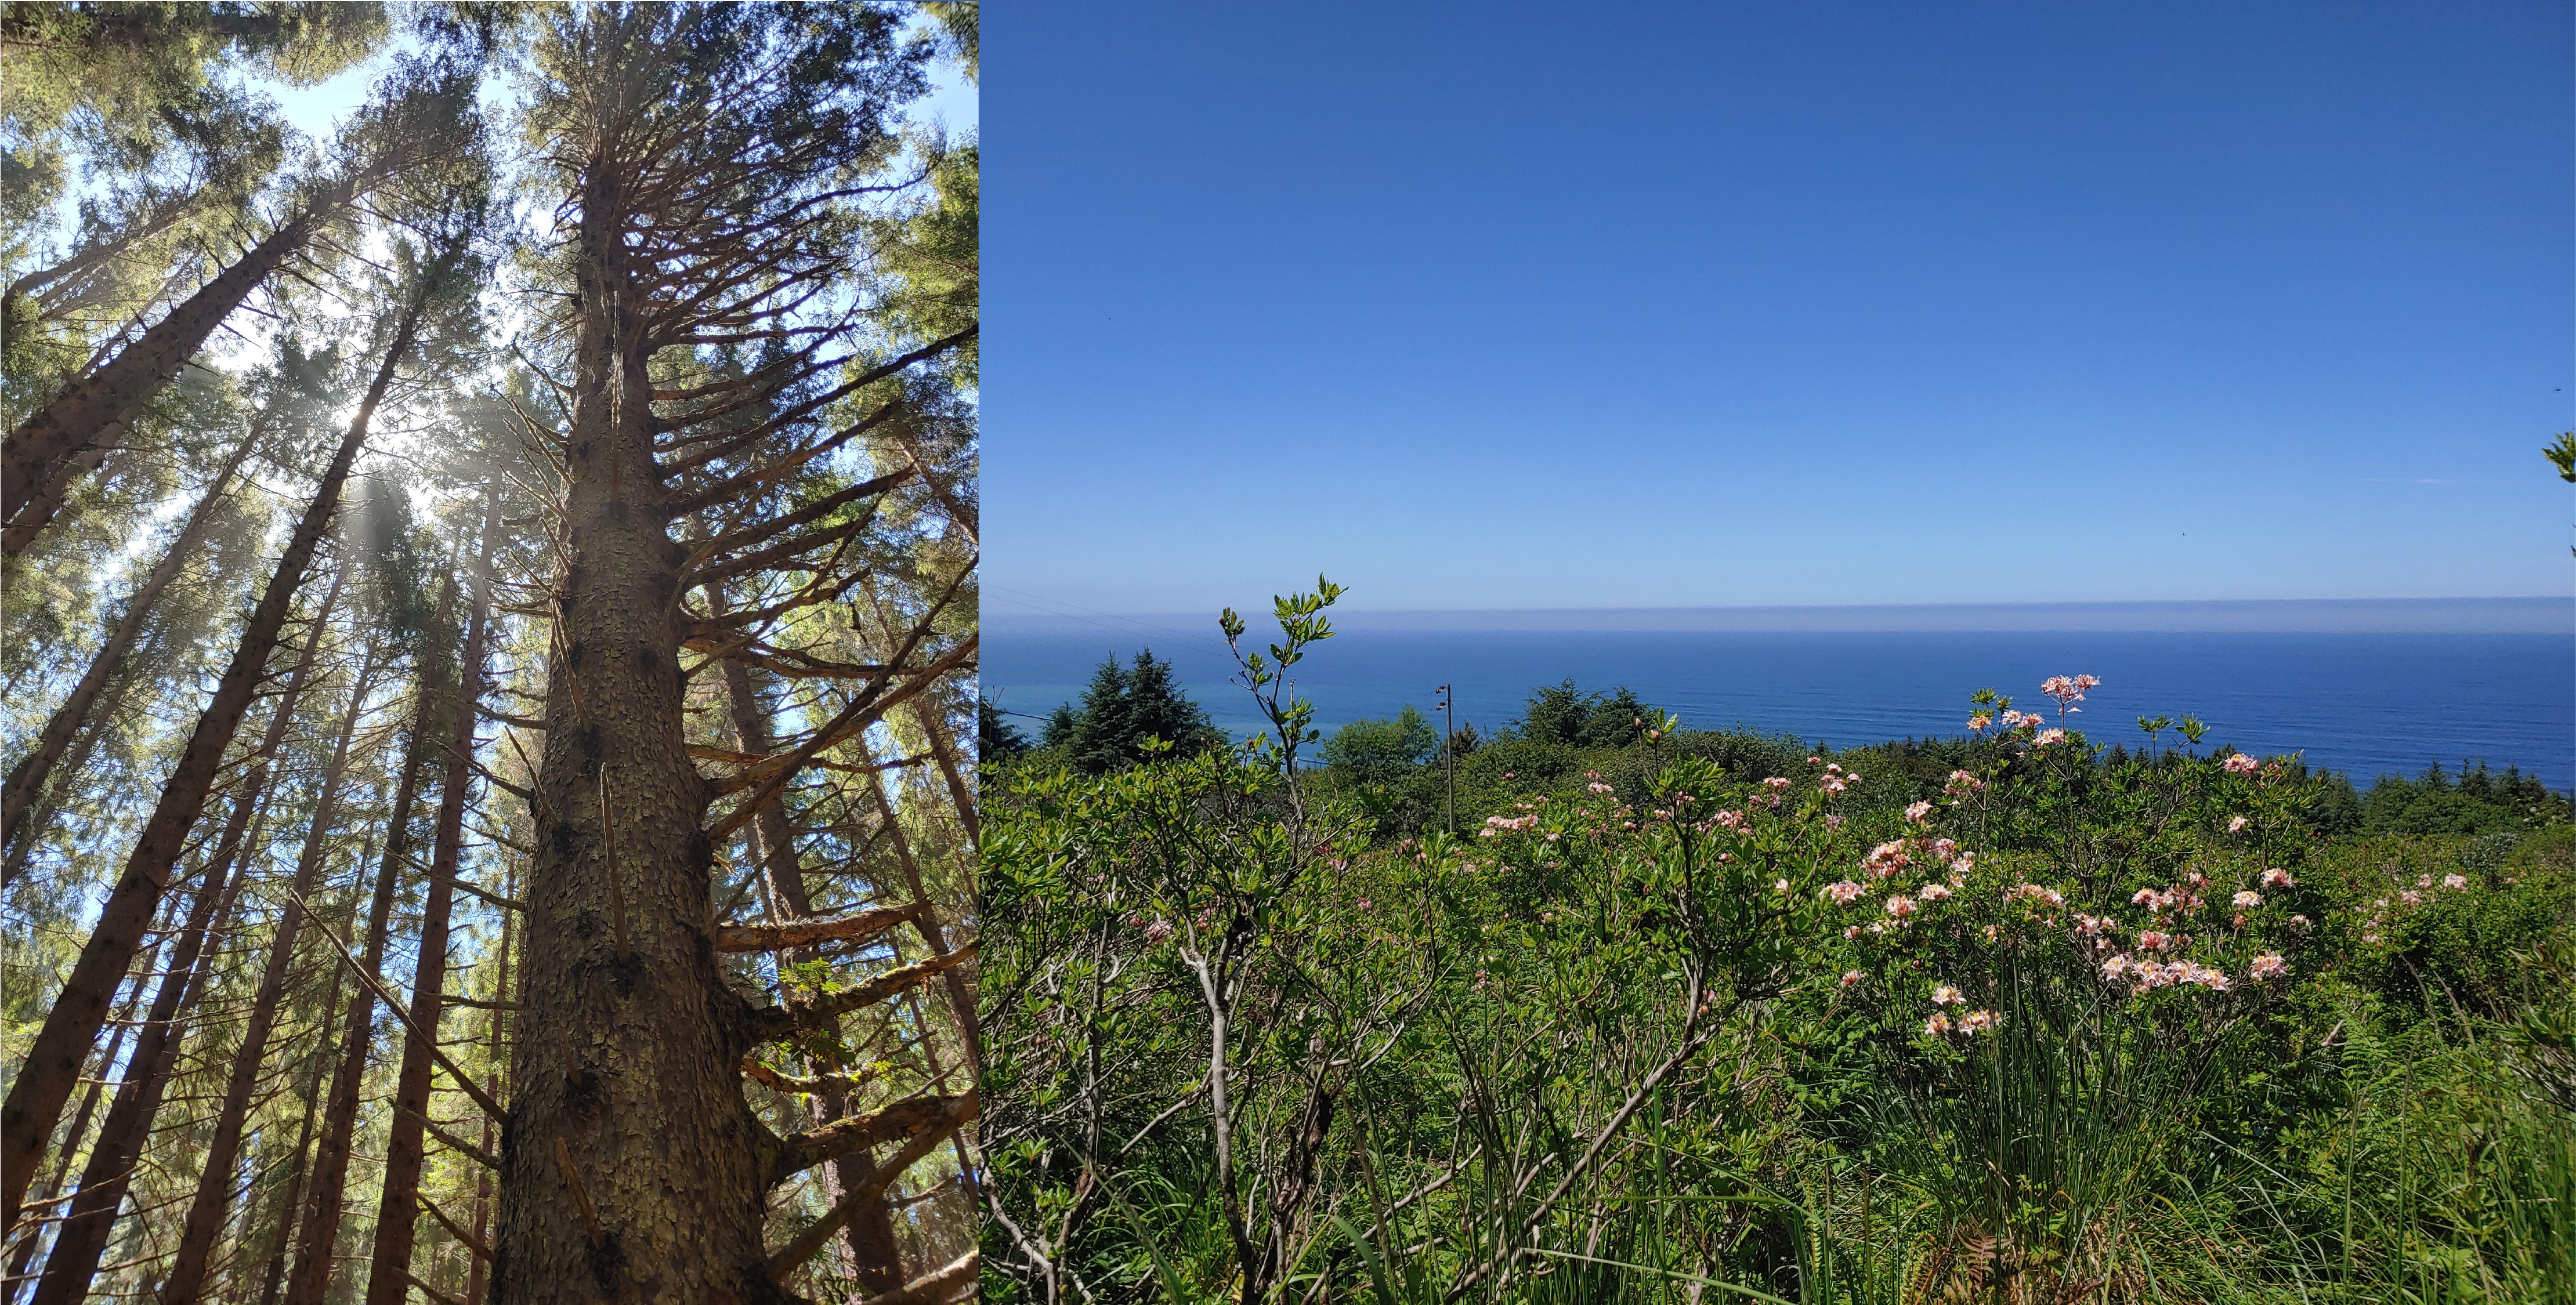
{"points": [[932, 716], [53, 1061], [206, 1214], [633, 1168], [31, 827], [98, 406], [83, 1235], [281, 1219], [867, 1245], [398, 1209], [96, 255], [25, 1254], [961, 1000], [320, 1230], [495, 1088], [28, 776]]}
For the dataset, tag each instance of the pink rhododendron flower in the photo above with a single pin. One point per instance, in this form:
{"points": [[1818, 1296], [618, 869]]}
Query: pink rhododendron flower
{"points": [[1730, 820], [1842, 892], [1900, 906], [1917, 811], [1963, 783], [1981, 722], [1597, 787], [1158, 931], [2276, 878], [1937, 1026], [2269, 965], [2046, 737], [2154, 940], [1851, 977], [2240, 764], [1775, 783], [2237, 824], [2455, 881], [1979, 1021], [2411, 897], [1945, 995], [2248, 901], [1780, 886], [2116, 966], [1935, 892]]}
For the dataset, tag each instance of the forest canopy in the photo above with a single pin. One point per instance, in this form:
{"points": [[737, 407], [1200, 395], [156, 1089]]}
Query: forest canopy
{"points": [[488, 610]]}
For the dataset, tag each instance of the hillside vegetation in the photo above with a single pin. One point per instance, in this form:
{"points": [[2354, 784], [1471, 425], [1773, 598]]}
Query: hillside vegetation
{"points": [[1687, 1016]]}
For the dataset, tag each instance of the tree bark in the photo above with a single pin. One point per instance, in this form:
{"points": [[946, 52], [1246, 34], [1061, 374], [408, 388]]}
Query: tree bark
{"points": [[626, 1091], [53, 1061], [107, 400], [28, 776], [25, 1254], [281, 1220], [186, 1283], [320, 1222], [83, 1235], [398, 1208]]}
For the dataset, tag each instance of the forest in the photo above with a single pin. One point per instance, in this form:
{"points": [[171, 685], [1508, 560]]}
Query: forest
{"points": [[488, 616], [1600, 1008]]}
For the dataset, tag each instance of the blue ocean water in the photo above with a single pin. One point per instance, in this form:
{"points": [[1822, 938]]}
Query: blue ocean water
{"points": [[2364, 704]]}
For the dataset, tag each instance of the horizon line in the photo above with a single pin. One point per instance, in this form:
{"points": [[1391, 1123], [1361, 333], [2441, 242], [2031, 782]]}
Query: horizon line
{"points": [[2498, 614]]}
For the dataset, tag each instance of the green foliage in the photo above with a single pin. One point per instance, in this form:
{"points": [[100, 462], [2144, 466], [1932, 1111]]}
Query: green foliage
{"points": [[1705, 1015], [996, 739], [1129, 714], [1381, 749]]}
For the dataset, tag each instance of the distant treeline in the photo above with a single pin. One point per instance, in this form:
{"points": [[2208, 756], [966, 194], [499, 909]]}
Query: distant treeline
{"points": [[1394, 767]]}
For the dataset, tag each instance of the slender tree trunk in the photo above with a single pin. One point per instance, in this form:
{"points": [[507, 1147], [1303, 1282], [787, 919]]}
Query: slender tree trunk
{"points": [[83, 1235], [104, 251], [97, 406], [867, 1245], [31, 829], [961, 1000], [289, 1198], [25, 1254], [398, 1209], [206, 1214], [320, 1232], [45, 1080], [28, 776], [495, 1088]]}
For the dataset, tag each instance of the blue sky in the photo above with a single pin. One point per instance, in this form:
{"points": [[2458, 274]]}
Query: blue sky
{"points": [[1501, 306]]}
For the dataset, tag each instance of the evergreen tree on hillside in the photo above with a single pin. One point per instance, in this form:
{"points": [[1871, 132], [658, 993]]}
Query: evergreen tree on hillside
{"points": [[1124, 706], [996, 739], [1564, 714]]}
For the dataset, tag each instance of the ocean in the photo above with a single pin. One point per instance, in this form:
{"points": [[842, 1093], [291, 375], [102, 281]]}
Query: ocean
{"points": [[2363, 704]]}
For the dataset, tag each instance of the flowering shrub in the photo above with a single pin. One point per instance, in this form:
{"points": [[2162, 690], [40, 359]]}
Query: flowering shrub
{"points": [[1996, 1013]]}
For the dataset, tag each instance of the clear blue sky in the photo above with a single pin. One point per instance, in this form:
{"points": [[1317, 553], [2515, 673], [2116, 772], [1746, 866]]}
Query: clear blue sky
{"points": [[1510, 305]]}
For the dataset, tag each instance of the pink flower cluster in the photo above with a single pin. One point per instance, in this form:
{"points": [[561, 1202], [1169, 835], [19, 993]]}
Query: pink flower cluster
{"points": [[2069, 689], [1962, 784], [1507, 824], [2149, 975], [2238, 763], [1917, 812], [1843, 893], [1886, 859]]}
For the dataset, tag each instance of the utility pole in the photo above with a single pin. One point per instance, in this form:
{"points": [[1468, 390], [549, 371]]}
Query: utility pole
{"points": [[1448, 707]]}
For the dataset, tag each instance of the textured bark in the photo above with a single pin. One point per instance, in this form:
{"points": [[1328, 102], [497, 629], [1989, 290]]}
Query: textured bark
{"points": [[46, 499], [28, 776], [866, 1248], [83, 1235], [45, 1079], [186, 1282], [625, 1089], [91, 409], [398, 1209], [319, 1229]]}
